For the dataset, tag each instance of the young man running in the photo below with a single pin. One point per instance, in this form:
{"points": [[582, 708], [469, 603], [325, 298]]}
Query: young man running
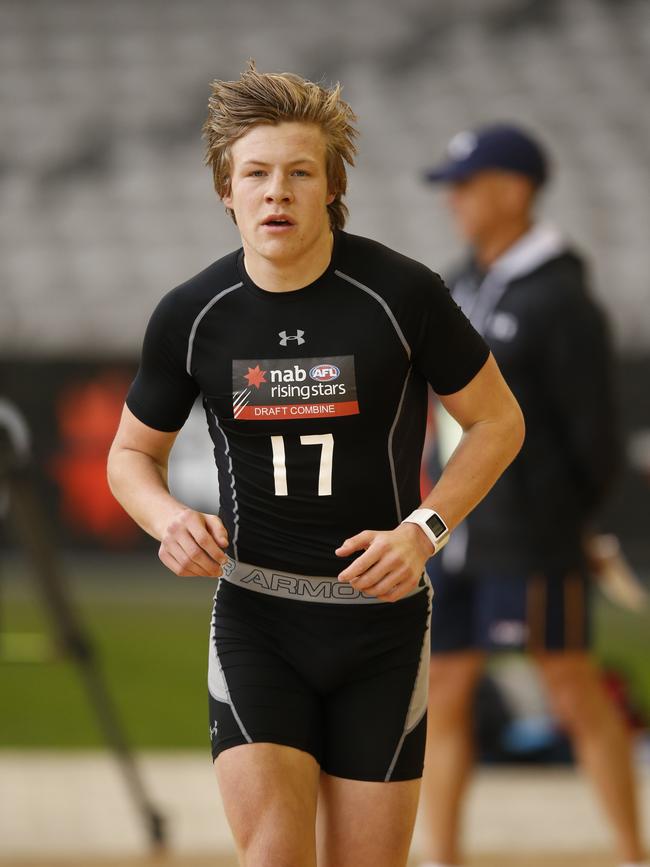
{"points": [[312, 350]]}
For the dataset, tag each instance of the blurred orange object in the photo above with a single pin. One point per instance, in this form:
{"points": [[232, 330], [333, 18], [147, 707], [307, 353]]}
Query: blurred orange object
{"points": [[88, 413]]}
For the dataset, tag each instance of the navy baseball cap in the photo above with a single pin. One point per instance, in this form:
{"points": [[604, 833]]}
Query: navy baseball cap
{"points": [[498, 146]]}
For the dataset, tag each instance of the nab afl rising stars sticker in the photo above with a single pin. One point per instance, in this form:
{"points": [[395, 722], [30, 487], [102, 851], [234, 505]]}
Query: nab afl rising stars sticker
{"points": [[293, 388]]}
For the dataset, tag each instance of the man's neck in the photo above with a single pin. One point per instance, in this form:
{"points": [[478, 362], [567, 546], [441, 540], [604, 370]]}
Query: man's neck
{"points": [[287, 276], [500, 239]]}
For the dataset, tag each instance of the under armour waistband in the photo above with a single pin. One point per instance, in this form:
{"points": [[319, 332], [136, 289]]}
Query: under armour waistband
{"points": [[305, 588]]}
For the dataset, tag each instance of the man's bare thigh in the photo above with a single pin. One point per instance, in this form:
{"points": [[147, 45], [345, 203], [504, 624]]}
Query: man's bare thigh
{"points": [[365, 824]]}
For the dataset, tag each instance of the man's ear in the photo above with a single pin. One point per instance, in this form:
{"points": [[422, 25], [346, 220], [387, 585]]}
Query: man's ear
{"points": [[519, 193], [227, 196]]}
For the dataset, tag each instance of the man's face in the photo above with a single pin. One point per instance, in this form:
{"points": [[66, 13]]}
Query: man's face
{"points": [[278, 190], [485, 201]]}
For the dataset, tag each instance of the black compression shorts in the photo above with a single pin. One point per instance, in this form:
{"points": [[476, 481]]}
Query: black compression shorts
{"points": [[346, 683]]}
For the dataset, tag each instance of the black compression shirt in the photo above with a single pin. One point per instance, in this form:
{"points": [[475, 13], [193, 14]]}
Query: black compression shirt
{"points": [[315, 399]]}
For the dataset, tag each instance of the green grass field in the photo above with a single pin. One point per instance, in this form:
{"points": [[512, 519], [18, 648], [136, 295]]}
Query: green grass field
{"points": [[150, 631]]}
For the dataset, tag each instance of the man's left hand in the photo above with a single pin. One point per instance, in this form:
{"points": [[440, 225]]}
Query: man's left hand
{"points": [[392, 562]]}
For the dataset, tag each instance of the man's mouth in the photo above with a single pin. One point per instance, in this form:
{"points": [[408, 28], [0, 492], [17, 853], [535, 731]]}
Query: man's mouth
{"points": [[278, 221]]}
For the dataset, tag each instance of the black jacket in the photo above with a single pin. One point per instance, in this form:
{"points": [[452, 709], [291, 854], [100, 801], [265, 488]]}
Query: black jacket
{"points": [[551, 342]]}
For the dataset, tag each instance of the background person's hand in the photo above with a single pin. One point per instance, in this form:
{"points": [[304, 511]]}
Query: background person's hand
{"points": [[193, 544], [392, 562]]}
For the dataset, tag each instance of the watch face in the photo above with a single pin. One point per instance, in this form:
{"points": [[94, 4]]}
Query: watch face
{"points": [[436, 525]]}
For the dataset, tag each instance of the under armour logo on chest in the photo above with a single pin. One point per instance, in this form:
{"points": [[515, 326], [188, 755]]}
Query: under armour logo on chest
{"points": [[285, 338]]}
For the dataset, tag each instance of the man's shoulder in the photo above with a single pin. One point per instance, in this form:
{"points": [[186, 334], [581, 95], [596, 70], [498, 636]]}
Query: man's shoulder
{"points": [[558, 289], [217, 277], [566, 270], [560, 281], [186, 300], [381, 268]]}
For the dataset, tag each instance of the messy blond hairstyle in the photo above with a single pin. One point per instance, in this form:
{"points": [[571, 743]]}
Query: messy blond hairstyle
{"points": [[235, 107]]}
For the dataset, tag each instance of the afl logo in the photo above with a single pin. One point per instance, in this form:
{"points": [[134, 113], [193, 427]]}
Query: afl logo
{"points": [[324, 372]]}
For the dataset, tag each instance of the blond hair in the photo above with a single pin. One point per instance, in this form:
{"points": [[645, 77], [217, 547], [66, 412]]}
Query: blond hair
{"points": [[235, 107]]}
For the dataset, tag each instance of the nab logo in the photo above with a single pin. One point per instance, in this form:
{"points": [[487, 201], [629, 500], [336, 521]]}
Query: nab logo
{"points": [[285, 338], [324, 372]]}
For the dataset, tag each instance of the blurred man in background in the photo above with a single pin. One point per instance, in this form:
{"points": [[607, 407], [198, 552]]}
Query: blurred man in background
{"points": [[515, 575]]}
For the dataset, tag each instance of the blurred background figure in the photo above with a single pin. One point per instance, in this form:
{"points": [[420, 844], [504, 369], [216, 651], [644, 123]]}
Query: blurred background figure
{"points": [[516, 577]]}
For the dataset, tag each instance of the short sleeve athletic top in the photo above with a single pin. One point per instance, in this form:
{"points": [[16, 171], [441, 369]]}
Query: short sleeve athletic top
{"points": [[315, 399]]}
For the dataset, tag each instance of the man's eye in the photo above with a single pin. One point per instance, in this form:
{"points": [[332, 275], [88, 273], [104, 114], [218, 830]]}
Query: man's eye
{"points": [[256, 173]]}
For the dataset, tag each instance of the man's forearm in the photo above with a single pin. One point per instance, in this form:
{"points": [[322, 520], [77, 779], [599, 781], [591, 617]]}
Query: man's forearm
{"points": [[484, 452], [140, 486]]}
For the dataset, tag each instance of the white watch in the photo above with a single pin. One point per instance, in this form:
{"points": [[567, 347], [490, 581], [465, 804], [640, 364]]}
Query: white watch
{"points": [[431, 525]]}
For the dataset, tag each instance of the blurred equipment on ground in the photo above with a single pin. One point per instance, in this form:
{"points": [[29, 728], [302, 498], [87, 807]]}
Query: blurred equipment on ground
{"points": [[32, 528]]}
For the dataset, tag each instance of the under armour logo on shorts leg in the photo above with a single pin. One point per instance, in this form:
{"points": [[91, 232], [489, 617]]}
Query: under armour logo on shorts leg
{"points": [[285, 338]]}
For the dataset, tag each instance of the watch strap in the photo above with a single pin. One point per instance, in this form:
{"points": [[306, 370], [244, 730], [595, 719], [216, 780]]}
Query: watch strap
{"points": [[420, 517]]}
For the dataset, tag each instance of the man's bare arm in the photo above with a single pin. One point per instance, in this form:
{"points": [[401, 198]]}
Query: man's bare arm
{"points": [[192, 542], [493, 432]]}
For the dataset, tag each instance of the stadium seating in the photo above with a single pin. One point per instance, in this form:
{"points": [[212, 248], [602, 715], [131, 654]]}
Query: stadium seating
{"points": [[105, 203]]}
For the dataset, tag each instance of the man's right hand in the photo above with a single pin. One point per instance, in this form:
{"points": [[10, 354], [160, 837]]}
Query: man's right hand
{"points": [[192, 545]]}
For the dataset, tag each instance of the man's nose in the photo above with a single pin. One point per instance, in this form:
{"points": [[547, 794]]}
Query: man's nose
{"points": [[279, 189]]}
